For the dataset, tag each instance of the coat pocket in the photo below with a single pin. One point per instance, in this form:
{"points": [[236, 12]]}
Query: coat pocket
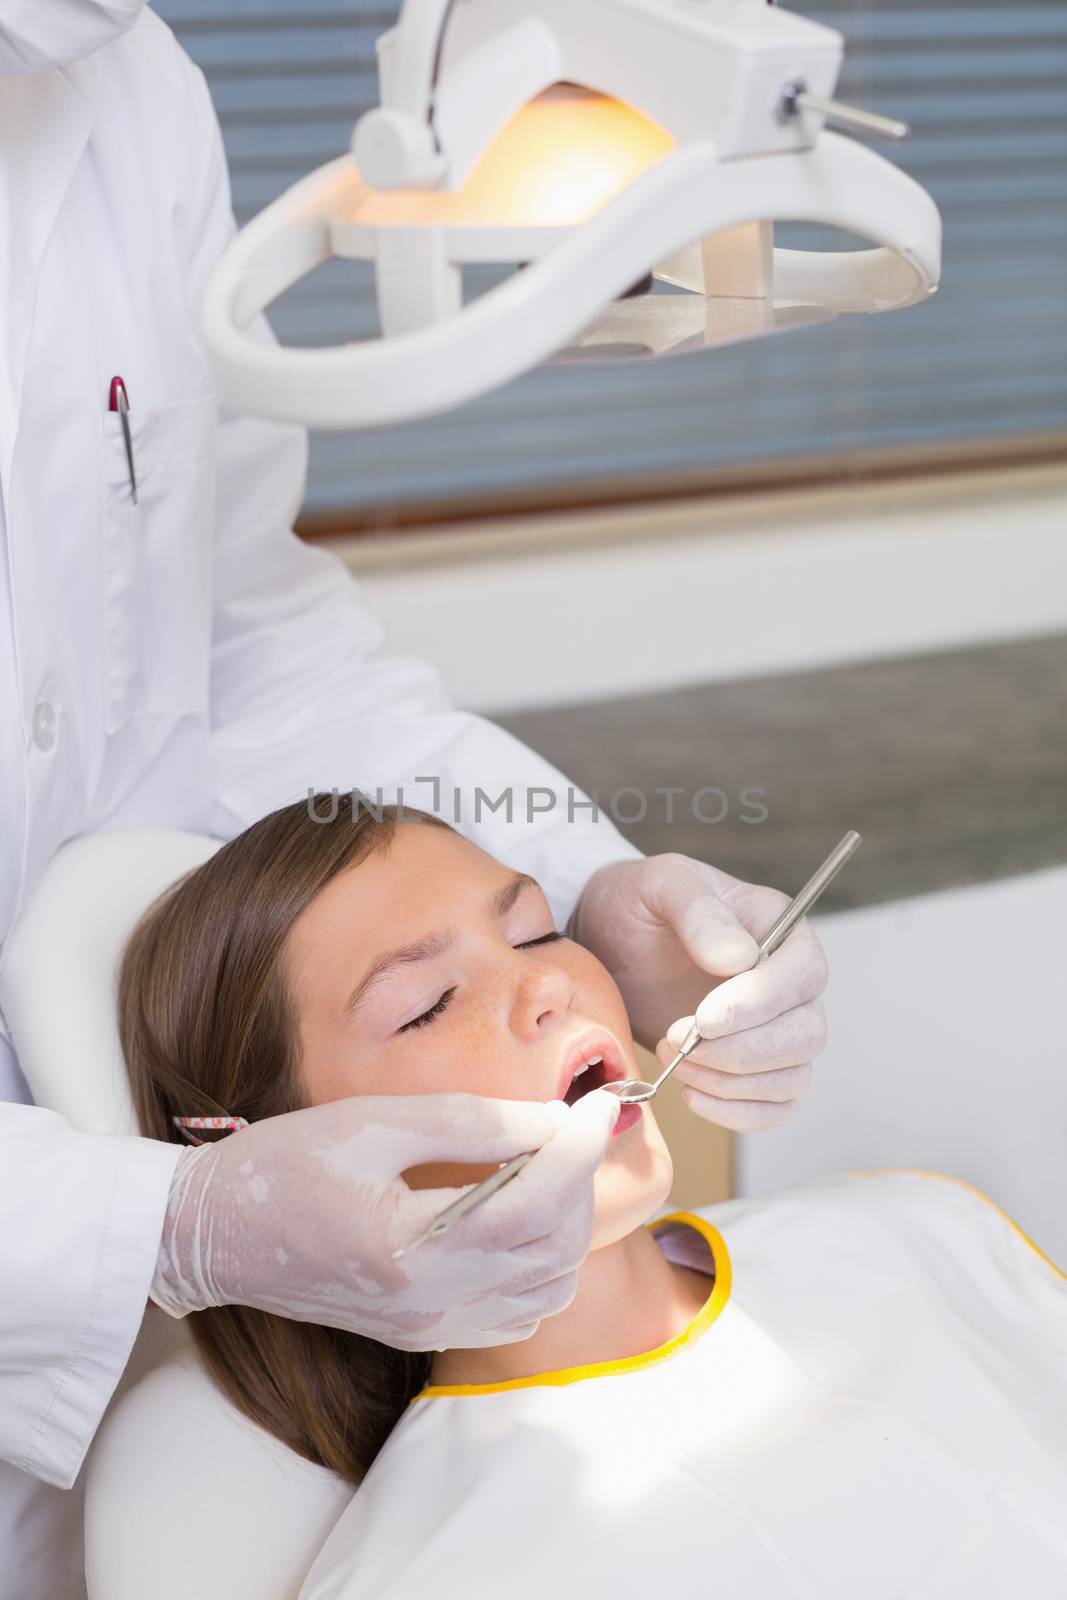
{"points": [[158, 560]]}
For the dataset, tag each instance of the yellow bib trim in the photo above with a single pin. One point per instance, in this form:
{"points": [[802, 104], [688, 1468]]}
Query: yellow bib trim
{"points": [[961, 1183], [699, 1325]]}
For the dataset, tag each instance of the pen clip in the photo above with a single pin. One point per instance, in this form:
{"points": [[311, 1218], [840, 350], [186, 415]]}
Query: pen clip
{"points": [[119, 401]]}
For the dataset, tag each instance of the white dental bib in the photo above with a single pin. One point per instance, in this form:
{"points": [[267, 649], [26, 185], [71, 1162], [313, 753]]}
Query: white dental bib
{"points": [[873, 1402]]}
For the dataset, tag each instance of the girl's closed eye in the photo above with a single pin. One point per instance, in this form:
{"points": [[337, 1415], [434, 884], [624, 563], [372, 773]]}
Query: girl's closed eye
{"points": [[428, 1016], [439, 1005]]}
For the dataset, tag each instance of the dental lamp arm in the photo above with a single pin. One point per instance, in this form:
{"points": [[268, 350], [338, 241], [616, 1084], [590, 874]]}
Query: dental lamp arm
{"points": [[418, 33], [396, 142]]}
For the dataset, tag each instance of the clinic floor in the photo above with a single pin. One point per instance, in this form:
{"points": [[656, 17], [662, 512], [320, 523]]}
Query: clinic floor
{"points": [[952, 766]]}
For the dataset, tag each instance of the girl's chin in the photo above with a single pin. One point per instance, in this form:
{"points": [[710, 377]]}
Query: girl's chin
{"points": [[630, 1192]]}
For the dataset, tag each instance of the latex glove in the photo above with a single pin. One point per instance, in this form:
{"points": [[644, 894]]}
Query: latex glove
{"points": [[300, 1214], [675, 933]]}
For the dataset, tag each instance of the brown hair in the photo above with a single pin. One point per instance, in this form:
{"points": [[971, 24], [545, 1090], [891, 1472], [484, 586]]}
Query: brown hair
{"points": [[207, 1028]]}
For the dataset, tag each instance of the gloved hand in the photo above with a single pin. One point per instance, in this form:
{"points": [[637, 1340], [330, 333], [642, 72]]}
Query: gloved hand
{"points": [[671, 931], [300, 1214]]}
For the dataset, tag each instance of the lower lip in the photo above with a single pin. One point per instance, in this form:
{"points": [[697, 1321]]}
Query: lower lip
{"points": [[628, 1116]]}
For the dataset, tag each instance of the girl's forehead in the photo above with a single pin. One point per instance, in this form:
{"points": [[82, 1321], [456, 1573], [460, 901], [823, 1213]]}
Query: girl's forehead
{"points": [[423, 876], [435, 860]]}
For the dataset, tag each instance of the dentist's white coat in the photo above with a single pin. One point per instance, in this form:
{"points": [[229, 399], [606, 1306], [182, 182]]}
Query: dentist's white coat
{"points": [[185, 663]]}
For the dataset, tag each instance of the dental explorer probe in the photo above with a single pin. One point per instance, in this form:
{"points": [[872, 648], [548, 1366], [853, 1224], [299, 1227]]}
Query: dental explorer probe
{"points": [[634, 1091]]}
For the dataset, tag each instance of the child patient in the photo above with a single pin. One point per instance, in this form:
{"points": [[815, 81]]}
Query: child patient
{"points": [[857, 1389]]}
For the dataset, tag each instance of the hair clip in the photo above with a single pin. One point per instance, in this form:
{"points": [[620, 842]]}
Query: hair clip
{"points": [[215, 1124]]}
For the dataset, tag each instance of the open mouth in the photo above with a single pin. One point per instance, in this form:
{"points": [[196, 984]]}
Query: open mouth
{"points": [[590, 1063], [590, 1076]]}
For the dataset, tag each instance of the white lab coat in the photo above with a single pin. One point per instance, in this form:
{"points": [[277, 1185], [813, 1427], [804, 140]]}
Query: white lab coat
{"points": [[185, 662]]}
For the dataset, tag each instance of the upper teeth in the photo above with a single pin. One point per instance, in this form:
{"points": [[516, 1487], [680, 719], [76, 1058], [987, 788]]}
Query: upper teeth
{"points": [[594, 1061]]}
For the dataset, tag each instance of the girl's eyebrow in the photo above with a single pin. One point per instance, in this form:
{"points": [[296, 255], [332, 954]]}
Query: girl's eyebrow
{"points": [[506, 897], [434, 944]]}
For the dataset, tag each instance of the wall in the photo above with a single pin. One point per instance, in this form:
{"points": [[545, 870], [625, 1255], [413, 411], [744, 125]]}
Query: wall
{"points": [[609, 603], [947, 1052]]}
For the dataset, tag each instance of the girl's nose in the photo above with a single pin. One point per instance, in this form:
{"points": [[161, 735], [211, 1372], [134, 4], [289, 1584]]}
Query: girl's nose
{"points": [[543, 993]]}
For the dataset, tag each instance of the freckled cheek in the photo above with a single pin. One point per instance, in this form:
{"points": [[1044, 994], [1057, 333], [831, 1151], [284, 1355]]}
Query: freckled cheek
{"points": [[468, 1059], [324, 1074], [333, 1069], [597, 992], [482, 1054], [476, 1059]]}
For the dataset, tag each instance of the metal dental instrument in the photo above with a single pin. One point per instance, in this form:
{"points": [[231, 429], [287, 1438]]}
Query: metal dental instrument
{"points": [[634, 1091], [467, 1202]]}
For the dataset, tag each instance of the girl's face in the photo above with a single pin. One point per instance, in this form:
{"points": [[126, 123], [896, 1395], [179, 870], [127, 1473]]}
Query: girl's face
{"points": [[429, 967]]}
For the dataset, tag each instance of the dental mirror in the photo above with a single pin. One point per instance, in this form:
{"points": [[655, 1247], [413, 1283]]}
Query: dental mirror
{"points": [[634, 1091]]}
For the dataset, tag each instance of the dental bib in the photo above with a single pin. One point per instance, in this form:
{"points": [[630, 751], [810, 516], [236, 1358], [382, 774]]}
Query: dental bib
{"points": [[872, 1402]]}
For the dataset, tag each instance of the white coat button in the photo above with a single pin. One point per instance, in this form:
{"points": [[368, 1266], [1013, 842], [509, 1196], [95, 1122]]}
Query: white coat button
{"points": [[44, 725]]}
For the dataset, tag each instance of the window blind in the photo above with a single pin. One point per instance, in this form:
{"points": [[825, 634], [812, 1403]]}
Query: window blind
{"points": [[984, 86]]}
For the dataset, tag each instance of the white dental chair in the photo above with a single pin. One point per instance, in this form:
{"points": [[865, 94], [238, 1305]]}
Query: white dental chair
{"points": [[184, 1496]]}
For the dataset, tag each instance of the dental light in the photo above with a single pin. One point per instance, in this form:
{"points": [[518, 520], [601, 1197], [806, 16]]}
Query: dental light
{"points": [[588, 143]]}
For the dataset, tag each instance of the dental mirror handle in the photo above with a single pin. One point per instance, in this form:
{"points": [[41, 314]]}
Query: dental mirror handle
{"points": [[467, 1202], [806, 898], [779, 929]]}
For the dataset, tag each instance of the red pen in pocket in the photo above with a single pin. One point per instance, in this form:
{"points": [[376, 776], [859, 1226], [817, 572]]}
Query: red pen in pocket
{"points": [[119, 401]]}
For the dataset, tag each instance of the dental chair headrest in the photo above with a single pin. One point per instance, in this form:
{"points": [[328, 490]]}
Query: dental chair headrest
{"points": [[60, 968]]}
